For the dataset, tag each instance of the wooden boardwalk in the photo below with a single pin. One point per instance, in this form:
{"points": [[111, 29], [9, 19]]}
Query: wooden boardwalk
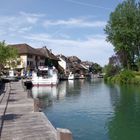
{"points": [[18, 121]]}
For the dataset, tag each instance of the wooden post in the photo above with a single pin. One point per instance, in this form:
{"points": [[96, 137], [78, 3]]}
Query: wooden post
{"points": [[64, 134]]}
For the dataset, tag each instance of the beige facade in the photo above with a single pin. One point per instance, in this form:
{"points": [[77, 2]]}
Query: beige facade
{"points": [[29, 58], [30, 61], [23, 62]]}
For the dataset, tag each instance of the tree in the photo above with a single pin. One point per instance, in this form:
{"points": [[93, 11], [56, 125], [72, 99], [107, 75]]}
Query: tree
{"points": [[123, 31], [8, 55], [96, 68], [113, 66], [137, 36]]}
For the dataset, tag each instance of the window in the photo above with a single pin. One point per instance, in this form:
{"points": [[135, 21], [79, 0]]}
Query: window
{"points": [[30, 56], [18, 63], [31, 63], [28, 63], [42, 58]]}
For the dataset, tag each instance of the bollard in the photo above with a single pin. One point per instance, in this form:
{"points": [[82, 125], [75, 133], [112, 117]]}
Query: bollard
{"points": [[64, 134]]}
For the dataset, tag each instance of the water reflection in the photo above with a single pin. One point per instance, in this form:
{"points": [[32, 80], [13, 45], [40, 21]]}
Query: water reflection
{"points": [[84, 110], [113, 111], [95, 80], [41, 92], [70, 83], [61, 90], [48, 94], [125, 124], [93, 109], [115, 94], [45, 95]]}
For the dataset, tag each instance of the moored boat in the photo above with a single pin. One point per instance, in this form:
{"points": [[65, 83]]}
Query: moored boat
{"points": [[71, 76], [45, 77], [81, 76]]}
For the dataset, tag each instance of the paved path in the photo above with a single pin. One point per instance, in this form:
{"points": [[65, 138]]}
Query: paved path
{"points": [[17, 119]]}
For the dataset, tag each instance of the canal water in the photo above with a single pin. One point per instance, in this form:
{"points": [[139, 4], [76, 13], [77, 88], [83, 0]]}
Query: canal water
{"points": [[93, 110]]}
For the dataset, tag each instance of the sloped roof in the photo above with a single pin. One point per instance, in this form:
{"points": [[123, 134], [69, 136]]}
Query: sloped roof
{"points": [[26, 49], [47, 53], [84, 66], [62, 56], [74, 59], [87, 63]]}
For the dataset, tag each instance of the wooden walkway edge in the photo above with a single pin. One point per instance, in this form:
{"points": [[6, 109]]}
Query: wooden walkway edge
{"points": [[17, 119]]}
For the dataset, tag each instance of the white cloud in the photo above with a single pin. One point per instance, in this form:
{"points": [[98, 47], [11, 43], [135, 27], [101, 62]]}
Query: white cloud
{"points": [[74, 22], [31, 17], [32, 14], [19, 24], [25, 29]]}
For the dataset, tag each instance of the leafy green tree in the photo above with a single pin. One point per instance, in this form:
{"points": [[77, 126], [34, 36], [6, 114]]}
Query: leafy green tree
{"points": [[2, 53], [113, 67], [96, 68], [137, 37], [123, 31], [8, 55]]}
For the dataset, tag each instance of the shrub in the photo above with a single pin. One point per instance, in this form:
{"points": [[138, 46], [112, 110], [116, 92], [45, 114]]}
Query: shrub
{"points": [[126, 76], [137, 73]]}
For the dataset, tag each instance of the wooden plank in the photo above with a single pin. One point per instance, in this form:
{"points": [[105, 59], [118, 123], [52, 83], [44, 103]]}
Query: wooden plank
{"points": [[18, 121]]}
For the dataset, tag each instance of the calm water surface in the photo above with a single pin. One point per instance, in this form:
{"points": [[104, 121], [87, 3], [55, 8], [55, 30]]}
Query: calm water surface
{"points": [[93, 110]]}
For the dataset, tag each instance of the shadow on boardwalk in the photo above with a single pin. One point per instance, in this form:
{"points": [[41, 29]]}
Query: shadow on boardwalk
{"points": [[2, 87], [10, 117]]}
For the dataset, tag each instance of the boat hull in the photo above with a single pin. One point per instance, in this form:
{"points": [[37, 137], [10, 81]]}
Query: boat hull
{"points": [[71, 77], [40, 84], [44, 83]]}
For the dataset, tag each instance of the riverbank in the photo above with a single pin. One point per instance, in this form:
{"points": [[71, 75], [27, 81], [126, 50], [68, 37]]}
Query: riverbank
{"points": [[124, 77], [18, 119]]}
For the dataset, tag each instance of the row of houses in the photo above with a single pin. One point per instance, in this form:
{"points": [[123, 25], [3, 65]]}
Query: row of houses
{"points": [[31, 58]]}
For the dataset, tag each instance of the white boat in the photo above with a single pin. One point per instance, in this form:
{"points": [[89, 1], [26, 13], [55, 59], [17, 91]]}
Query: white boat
{"points": [[81, 76], [71, 76], [45, 77]]}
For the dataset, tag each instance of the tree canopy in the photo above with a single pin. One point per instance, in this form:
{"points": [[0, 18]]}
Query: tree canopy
{"points": [[123, 32], [95, 68], [7, 55]]}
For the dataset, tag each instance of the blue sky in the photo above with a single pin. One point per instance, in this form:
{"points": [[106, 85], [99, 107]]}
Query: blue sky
{"points": [[69, 27]]}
